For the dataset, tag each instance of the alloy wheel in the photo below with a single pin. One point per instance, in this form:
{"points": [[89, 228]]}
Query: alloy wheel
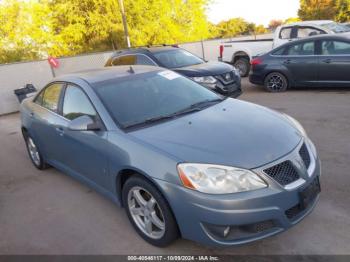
{"points": [[275, 83], [33, 151], [146, 212]]}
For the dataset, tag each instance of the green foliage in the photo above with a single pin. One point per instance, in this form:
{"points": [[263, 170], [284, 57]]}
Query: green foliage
{"points": [[343, 11], [317, 9], [291, 20], [235, 27], [35, 29]]}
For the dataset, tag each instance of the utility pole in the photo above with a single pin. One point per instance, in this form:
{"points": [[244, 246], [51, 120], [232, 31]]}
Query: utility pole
{"points": [[126, 32]]}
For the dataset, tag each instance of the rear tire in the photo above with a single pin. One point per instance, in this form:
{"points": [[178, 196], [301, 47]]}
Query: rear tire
{"points": [[276, 82], [144, 204], [34, 152], [243, 66]]}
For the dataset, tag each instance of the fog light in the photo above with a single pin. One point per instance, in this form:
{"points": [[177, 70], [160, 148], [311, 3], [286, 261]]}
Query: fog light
{"points": [[226, 231]]}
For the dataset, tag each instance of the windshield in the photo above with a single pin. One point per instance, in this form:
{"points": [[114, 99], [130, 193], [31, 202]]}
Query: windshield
{"points": [[177, 58], [336, 27], [151, 97]]}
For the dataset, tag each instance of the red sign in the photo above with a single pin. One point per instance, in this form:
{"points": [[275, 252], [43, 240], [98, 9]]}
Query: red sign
{"points": [[53, 62]]}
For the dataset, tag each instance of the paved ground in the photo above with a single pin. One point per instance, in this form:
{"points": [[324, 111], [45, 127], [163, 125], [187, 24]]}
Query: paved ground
{"points": [[50, 213]]}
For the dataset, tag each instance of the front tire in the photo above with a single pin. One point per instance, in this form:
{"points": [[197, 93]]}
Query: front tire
{"points": [[34, 153], [243, 66], [276, 82], [149, 212]]}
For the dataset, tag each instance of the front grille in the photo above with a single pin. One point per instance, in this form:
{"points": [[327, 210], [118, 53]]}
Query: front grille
{"points": [[258, 227], [305, 156], [284, 173]]}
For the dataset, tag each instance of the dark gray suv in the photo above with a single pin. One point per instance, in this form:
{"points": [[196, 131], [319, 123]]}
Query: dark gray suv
{"points": [[217, 76]]}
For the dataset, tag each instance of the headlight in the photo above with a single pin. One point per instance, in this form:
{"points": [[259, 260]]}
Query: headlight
{"points": [[216, 179], [296, 124], [204, 79]]}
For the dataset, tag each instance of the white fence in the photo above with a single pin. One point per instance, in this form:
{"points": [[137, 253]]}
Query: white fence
{"points": [[38, 73]]}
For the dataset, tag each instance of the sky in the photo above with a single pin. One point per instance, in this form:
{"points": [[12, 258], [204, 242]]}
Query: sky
{"points": [[256, 11]]}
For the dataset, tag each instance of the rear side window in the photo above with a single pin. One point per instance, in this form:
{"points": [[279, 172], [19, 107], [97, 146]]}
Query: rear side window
{"points": [[124, 60], [302, 49], [39, 99], [335, 48], [286, 33], [279, 51], [76, 104], [144, 60], [51, 97], [308, 31]]}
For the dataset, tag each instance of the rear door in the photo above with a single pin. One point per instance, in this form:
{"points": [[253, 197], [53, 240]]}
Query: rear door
{"points": [[301, 63], [46, 118], [334, 62]]}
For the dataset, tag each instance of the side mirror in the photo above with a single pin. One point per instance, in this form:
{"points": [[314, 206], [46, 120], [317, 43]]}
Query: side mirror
{"points": [[84, 123]]}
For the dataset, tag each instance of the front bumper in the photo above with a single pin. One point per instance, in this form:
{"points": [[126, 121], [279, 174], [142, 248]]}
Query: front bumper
{"points": [[232, 90], [250, 215]]}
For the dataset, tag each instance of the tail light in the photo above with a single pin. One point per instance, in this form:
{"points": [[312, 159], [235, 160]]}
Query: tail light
{"points": [[256, 61], [221, 50]]}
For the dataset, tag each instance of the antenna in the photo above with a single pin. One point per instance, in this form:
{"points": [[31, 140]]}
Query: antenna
{"points": [[131, 70]]}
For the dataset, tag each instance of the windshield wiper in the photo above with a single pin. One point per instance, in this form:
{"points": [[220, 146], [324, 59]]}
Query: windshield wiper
{"points": [[205, 103], [192, 108]]}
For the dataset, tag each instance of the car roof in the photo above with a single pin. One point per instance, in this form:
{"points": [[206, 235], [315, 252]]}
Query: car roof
{"points": [[343, 36], [152, 49], [312, 22], [107, 73]]}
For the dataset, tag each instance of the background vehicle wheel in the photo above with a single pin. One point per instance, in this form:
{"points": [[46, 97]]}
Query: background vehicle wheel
{"points": [[34, 153], [243, 66], [276, 82], [149, 212]]}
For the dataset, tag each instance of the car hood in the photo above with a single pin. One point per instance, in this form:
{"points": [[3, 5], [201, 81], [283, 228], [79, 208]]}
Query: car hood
{"points": [[205, 69], [233, 133]]}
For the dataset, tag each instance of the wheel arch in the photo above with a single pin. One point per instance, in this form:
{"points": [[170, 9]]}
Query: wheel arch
{"points": [[127, 172], [124, 174], [240, 54]]}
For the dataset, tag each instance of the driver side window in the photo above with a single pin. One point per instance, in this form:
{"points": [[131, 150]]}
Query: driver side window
{"points": [[76, 104]]}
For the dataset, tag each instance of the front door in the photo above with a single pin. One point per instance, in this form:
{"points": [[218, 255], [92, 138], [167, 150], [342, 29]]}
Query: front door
{"points": [[84, 152], [334, 62], [301, 63]]}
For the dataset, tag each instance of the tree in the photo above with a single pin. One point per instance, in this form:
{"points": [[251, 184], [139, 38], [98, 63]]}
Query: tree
{"points": [[33, 29], [317, 9], [274, 24], [291, 20], [234, 27], [343, 11]]}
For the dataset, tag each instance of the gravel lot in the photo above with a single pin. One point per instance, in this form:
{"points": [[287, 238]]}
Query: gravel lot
{"points": [[50, 213]]}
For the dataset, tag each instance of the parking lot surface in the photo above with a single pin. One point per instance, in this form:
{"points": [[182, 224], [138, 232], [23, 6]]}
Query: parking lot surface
{"points": [[47, 212]]}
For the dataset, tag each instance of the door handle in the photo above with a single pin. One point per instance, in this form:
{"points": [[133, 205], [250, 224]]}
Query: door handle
{"points": [[287, 62], [327, 61], [60, 130]]}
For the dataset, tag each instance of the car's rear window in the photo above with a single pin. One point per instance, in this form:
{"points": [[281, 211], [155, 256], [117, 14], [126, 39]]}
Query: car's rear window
{"points": [[177, 58], [135, 99]]}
